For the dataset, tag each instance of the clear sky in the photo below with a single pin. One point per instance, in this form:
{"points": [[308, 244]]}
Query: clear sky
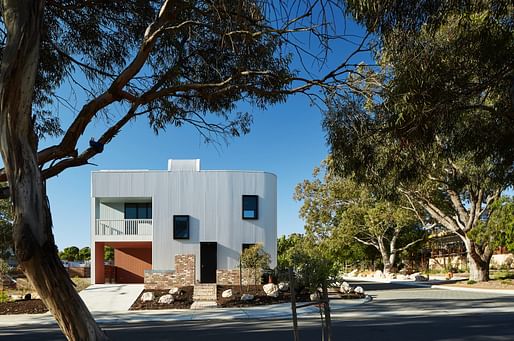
{"points": [[286, 140]]}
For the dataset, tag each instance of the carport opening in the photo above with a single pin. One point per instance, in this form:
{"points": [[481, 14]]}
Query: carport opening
{"points": [[131, 259]]}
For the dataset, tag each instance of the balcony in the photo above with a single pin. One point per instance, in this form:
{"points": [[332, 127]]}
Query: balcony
{"points": [[123, 229]]}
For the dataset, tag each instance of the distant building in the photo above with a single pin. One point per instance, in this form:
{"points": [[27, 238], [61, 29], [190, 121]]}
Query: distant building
{"points": [[182, 225]]}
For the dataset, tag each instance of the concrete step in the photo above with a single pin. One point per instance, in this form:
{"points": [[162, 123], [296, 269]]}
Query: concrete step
{"points": [[197, 305], [205, 292]]}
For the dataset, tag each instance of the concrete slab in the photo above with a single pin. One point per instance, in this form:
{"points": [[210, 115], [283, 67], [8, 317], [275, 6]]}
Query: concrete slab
{"points": [[110, 297]]}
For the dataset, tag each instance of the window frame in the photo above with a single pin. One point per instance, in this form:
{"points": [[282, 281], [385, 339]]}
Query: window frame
{"points": [[256, 210], [188, 227], [147, 206]]}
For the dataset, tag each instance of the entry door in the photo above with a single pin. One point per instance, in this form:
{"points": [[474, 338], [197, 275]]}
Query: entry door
{"points": [[208, 262]]}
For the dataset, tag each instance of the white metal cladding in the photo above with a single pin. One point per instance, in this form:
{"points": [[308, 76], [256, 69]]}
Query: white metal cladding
{"points": [[212, 199]]}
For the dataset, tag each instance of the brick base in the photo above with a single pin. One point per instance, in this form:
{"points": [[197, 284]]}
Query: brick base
{"points": [[183, 275], [231, 277]]}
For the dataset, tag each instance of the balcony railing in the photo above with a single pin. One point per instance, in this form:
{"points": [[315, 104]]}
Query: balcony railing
{"points": [[126, 227]]}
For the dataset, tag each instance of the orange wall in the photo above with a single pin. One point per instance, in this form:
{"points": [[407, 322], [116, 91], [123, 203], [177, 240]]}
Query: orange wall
{"points": [[131, 264]]}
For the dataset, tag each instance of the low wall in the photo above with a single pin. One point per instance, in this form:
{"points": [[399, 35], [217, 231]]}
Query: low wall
{"points": [[184, 275], [231, 277]]}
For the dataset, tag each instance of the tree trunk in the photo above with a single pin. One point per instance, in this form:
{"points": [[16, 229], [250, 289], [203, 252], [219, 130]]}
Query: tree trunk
{"points": [[478, 260], [33, 238], [385, 257]]}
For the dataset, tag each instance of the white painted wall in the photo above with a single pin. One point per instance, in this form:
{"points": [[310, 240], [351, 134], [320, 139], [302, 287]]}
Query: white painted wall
{"points": [[212, 199]]}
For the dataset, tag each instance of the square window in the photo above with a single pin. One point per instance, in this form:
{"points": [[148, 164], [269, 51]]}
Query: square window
{"points": [[180, 227], [250, 207], [247, 246]]}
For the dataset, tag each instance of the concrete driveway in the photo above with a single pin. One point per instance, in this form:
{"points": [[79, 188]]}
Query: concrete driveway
{"points": [[110, 297]]}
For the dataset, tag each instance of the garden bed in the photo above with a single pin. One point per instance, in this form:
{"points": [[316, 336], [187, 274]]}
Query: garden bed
{"points": [[183, 300], [23, 307]]}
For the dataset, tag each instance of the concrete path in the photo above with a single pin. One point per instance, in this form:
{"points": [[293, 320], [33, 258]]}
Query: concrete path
{"points": [[110, 297]]}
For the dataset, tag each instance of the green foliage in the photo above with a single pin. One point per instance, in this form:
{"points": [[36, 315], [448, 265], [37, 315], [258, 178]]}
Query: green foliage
{"points": [[435, 118], [4, 267], [4, 297], [471, 282], [340, 211], [498, 229], [6, 233], [108, 253], [70, 254], [285, 249], [84, 253], [256, 259], [313, 264]]}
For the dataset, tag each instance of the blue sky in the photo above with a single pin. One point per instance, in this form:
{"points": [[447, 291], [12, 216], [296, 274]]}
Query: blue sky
{"points": [[286, 139]]}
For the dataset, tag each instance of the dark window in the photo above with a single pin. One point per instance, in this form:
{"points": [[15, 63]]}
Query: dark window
{"points": [[247, 246], [180, 227], [250, 207], [138, 210]]}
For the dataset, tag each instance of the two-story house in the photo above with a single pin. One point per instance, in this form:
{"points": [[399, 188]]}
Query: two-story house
{"points": [[182, 225]]}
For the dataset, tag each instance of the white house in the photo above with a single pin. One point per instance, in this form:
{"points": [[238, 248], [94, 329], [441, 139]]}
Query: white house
{"points": [[180, 226]]}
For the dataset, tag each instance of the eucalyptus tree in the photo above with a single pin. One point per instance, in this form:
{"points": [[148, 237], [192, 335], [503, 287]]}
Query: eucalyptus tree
{"points": [[341, 211], [435, 119], [170, 62]]}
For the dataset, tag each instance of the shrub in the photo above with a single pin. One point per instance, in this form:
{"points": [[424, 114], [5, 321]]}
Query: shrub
{"points": [[471, 282], [3, 297]]}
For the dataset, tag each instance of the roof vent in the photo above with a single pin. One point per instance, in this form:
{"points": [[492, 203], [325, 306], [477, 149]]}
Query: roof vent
{"points": [[184, 165]]}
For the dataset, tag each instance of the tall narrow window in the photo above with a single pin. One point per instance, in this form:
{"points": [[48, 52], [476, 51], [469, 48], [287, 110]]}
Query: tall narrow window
{"points": [[180, 227], [250, 207]]}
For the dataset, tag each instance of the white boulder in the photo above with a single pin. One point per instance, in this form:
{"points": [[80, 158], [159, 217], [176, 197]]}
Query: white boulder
{"points": [[227, 293], [283, 286], [359, 290], [270, 289], [378, 274], [147, 297], [166, 299], [345, 288], [314, 296], [174, 291], [246, 297]]}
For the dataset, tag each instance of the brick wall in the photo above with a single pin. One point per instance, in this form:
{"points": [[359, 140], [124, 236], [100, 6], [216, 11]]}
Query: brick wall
{"points": [[231, 277], [183, 275]]}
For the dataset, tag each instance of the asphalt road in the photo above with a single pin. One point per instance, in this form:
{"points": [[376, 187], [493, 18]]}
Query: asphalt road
{"points": [[396, 313]]}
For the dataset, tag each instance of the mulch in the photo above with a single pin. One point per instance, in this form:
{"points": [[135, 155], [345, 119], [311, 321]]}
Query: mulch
{"points": [[183, 300], [260, 297], [23, 307]]}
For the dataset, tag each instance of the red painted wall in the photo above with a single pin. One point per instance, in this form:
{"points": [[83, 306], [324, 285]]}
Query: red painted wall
{"points": [[131, 264]]}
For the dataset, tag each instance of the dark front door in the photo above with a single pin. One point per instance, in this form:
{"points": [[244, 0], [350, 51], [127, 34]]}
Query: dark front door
{"points": [[208, 262]]}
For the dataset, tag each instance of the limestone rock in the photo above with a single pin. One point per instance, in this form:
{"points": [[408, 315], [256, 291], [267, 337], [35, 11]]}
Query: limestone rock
{"points": [[166, 299], [359, 290], [378, 274], [391, 275], [402, 277], [246, 297], [283, 286], [345, 288], [147, 297], [227, 293], [174, 291], [270, 289]]}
